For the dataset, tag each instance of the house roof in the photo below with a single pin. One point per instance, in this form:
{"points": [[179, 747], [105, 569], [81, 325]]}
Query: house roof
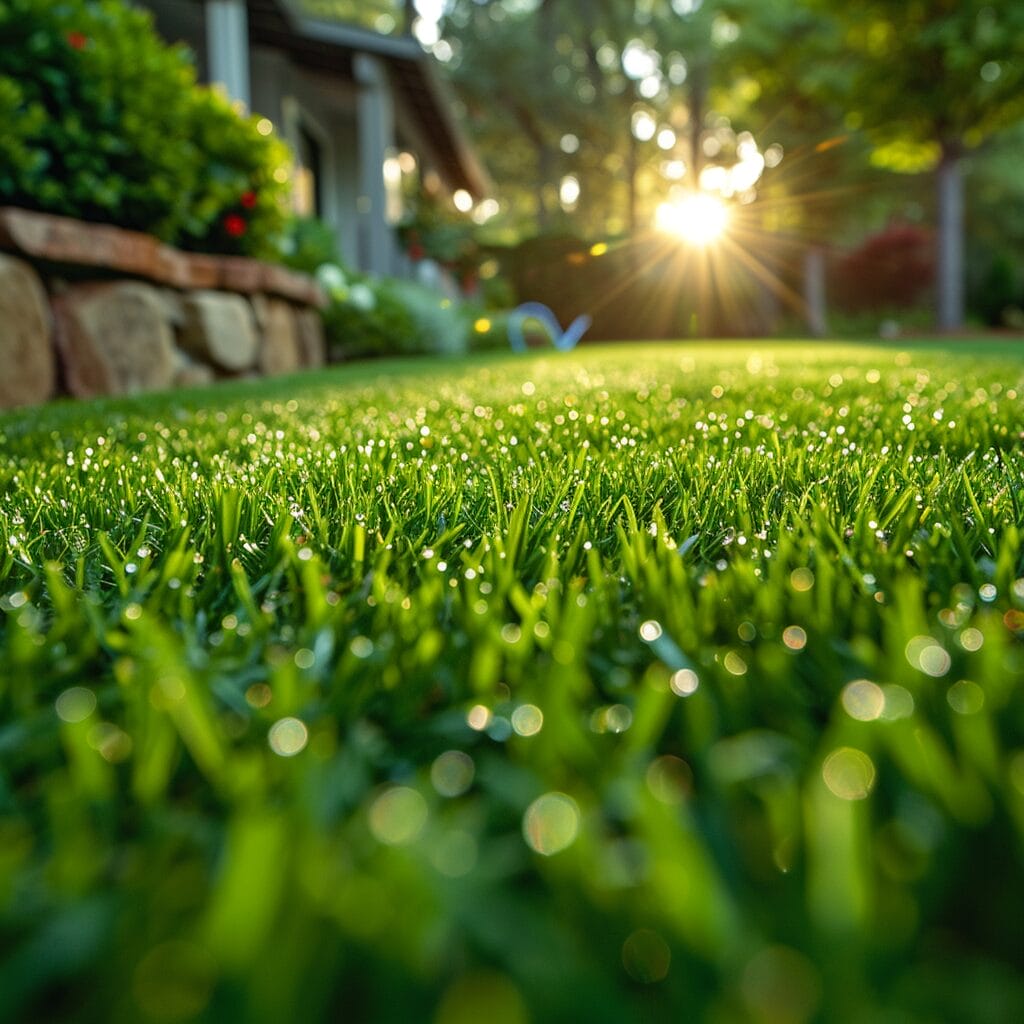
{"points": [[330, 47]]}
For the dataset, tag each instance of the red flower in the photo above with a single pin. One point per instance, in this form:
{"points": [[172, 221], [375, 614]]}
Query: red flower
{"points": [[77, 40], [248, 200], [416, 251], [234, 225]]}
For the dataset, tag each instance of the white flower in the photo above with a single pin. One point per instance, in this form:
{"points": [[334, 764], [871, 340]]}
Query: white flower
{"points": [[331, 277], [361, 296]]}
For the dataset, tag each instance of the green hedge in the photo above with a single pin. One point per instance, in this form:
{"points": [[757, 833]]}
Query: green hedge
{"points": [[102, 120]]}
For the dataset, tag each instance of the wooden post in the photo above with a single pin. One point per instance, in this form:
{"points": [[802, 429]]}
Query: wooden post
{"points": [[227, 47], [814, 291], [376, 134], [950, 278]]}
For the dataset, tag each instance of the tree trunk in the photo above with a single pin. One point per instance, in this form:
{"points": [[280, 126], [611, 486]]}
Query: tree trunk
{"points": [[950, 270], [814, 291], [545, 174], [697, 84], [632, 222]]}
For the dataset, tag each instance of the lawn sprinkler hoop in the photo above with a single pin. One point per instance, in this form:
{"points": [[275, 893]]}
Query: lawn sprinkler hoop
{"points": [[563, 341]]}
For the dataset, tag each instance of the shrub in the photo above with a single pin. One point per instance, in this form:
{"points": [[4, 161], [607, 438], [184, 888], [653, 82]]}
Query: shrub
{"points": [[365, 322], [104, 121], [891, 269], [308, 244], [373, 317], [239, 199], [995, 285]]}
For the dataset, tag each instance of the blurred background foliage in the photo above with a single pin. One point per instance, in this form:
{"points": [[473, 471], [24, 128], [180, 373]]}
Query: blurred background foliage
{"points": [[838, 118]]}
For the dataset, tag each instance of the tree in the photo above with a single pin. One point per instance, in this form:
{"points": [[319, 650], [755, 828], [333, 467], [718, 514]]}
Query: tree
{"points": [[613, 97], [928, 81]]}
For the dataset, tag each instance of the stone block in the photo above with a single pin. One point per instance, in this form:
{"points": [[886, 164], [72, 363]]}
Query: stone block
{"points": [[290, 284], [172, 267], [238, 274], [279, 352], [45, 236], [114, 338], [220, 329], [203, 271], [312, 347], [26, 352], [190, 374]]}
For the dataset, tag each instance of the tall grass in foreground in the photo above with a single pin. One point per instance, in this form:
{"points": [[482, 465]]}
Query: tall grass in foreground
{"points": [[645, 683]]}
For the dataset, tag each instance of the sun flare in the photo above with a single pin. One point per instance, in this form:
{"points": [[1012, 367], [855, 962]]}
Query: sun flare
{"points": [[698, 219]]}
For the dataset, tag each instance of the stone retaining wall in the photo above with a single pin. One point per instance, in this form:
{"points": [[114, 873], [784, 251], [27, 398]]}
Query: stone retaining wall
{"points": [[92, 310]]}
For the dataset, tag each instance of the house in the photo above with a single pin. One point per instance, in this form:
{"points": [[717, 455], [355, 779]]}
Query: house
{"points": [[360, 107]]}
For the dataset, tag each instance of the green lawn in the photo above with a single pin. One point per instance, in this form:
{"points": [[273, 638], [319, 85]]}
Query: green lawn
{"points": [[662, 683]]}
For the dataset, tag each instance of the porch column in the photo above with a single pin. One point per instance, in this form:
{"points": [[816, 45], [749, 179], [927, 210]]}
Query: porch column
{"points": [[376, 131], [227, 47]]}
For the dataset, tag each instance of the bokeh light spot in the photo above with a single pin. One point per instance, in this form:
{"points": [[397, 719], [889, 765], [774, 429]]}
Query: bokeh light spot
{"points": [[455, 854], [288, 737], [927, 656], [482, 996], [966, 697], [397, 816], [646, 956], [452, 773], [780, 986], [794, 638], [863, 700], [527, 719], [849, 773], [669, 779], [551, 823], [173, 981], [478, 717], [650, 630], [899, 703], [801, 580], [75, 704], [684, 682]]}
